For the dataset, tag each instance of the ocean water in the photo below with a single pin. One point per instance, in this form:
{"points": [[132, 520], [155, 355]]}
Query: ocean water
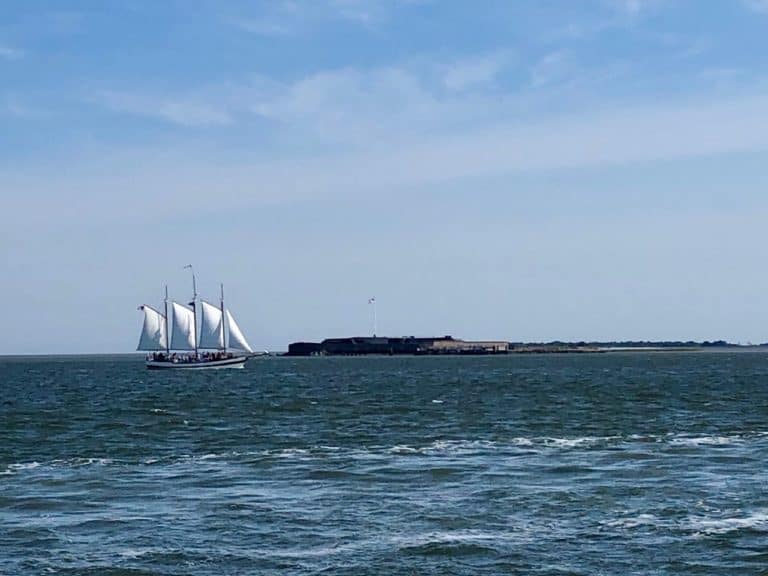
{"points": [[572, 464]]}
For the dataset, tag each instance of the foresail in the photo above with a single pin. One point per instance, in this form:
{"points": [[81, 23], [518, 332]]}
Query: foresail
{"points": [[183, 336], [153, 336], [211, 327], [236, 339]]}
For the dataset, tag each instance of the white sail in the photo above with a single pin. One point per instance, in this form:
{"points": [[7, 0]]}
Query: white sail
{"points": [[183, 337], [153, 336], [236, 339], [211, 327]]}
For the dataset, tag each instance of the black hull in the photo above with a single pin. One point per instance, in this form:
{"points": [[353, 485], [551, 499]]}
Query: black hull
{"points": [[236, 362]]}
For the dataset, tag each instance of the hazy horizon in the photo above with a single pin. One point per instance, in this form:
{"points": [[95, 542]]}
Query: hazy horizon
{"points": [[525, 172]]}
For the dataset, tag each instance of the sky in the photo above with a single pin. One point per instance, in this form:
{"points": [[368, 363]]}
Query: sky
{"points": [[518, 170]]}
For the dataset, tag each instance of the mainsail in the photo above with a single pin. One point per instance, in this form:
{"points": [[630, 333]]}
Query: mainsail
{"points": [[183, 337], [153, 336], [236, 339], [211, 327]]}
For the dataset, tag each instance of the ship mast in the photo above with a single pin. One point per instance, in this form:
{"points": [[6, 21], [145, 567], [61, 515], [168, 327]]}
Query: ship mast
{"points": [[167, 328], [223, 333], [194, 304]]}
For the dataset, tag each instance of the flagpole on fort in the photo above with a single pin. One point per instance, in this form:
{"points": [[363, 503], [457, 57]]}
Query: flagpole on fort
{"points": [[373, 301]]}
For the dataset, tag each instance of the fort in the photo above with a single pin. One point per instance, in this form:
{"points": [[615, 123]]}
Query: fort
{"points": [[448, 345], [361, 345]]}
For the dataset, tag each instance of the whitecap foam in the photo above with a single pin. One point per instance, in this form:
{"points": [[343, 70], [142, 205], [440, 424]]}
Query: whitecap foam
{"points": [[576, 442], [291, 453], [75, 462], [401, 449], [522, 441], [467, 536], [23, 466], [705, 526], [695, 441], [633, 521], [79, 461], [210, 456], [316, 552]]}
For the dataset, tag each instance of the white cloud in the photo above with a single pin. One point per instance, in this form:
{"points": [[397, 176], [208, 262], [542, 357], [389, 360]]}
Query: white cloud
{"points": [[425, 107], [15, 107], [363, 11], [631, 7], [369, 12], [287, 18], [620, 14], [474, 72], [634, 8], [263, 27], [9, 53], [551, 68], [175, 110], [390, 159], [684, 47], [760, 6], [350, 104]]}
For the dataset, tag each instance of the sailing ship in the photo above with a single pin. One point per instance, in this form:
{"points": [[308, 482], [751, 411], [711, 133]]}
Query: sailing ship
{"points": [[174, 340]]}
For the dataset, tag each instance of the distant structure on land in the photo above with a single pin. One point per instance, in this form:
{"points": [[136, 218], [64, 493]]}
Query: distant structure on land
{"points": [[448, 345], [400, 345]]}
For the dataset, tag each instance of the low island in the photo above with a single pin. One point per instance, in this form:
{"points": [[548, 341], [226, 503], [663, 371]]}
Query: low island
{"points": [[448, 345]]}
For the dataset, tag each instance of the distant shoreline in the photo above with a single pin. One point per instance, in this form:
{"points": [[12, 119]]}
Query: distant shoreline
{"points": [[557, 347], [450, 346]]}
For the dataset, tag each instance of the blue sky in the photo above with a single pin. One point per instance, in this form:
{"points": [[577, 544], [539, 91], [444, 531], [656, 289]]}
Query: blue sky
{"points": [[575, 169]]}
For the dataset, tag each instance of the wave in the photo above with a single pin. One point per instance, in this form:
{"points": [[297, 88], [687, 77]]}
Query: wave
{"points": [[695, 526], [437, 448], [76, 462], [706, 526], [446, 447], [696, 441], [633, 521], [572, 443], [453, 543], [22, 466]]}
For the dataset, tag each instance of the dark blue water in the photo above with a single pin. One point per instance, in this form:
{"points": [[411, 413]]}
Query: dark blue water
{"points": [[594, 464]]}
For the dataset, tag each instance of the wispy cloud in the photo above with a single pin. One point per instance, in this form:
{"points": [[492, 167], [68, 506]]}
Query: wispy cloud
{"points": [[396, 126], [633, 8], [760, 6], [9, 53], [263, 27], [182, 111], [363, 11], [617, 14], [476, 71], [684, 47], [17, 108], [341, 106], [551, 68], [369, 12], [274, 19], [621, 136], [287, 18]]}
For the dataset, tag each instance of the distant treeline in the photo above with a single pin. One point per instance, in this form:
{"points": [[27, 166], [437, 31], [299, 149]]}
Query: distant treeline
{"points": [[629, 344]]}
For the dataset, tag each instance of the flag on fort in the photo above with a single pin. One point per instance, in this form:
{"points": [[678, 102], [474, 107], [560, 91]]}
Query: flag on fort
{"points": [[371, 300]]}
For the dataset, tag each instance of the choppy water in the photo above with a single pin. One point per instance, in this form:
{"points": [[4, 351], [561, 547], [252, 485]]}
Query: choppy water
{"points": [[604, 464]]}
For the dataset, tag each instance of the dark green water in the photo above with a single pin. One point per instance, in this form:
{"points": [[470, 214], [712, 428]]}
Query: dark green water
{"points": [[594, 464]]}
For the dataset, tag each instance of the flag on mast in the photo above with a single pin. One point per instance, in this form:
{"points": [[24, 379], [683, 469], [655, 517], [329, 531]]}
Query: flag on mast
{"points": [[371, 300]]}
